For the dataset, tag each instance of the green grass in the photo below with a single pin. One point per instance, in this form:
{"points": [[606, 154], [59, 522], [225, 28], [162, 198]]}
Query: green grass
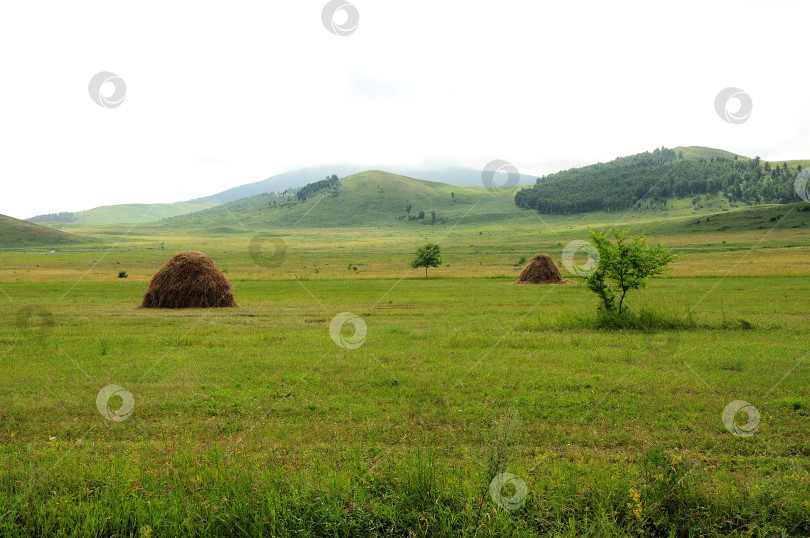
{"points": [[136, 213], [16, 233], [252, 421], [694, 153], [254, 418]]}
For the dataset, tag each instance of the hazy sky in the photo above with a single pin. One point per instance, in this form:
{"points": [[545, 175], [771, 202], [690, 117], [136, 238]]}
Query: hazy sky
{"points": [[221, 94]]}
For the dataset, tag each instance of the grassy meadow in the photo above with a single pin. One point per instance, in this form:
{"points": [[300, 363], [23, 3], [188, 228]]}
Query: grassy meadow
{"points": [[255, 422]]}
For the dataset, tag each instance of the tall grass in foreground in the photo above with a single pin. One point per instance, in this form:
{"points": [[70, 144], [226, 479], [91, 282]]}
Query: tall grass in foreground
{"points": [[666, 495], [646, 320]]}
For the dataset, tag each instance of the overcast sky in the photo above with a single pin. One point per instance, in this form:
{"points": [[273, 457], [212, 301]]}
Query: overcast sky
{"points": [[226, 93]]}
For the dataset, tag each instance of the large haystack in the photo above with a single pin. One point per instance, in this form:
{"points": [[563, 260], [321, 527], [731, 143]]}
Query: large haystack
{"points": [[540, 270], [189, 280]]}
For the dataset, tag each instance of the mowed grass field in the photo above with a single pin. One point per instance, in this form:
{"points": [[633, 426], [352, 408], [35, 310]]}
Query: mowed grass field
{"points": [[255, 422]]}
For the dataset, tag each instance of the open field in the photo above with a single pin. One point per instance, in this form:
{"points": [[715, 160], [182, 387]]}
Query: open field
{"points": [[255, 422]]}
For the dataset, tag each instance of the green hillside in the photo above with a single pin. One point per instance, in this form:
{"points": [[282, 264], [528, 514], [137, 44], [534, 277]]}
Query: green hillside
{"points": [[371, 198], [695, 153], [653, 178], [18, 234], [125, 213], [380, 199]]}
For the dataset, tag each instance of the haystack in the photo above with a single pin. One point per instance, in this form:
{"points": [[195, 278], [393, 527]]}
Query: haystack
{"points": [[189, 280], [540, 270]]}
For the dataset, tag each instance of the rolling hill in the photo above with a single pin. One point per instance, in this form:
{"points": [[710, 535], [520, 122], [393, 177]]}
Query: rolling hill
{"points": [[133, 213], [124, 213], [370, 198], [305, 176], [653, 178], [695, 153], [16, 233], [603, 186], [381, 199]]}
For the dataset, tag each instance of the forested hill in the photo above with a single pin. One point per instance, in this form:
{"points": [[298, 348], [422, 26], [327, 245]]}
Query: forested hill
{"points": [[656, 176]]}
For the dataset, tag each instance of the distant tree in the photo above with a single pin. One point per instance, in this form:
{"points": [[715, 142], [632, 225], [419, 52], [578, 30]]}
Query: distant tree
{"points": [[680, 155], [767, 166], [329, 183], [421, 214], [428, 255], [432, 217], [627, 264], [408, 209], [452, 195]]}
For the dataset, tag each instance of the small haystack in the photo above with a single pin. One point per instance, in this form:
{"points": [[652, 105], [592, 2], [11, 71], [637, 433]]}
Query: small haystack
{"points": [[189, 280], [540, 270]]}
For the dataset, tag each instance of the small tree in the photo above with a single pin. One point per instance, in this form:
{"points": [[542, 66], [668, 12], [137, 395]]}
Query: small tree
{"points": [[429, 255], [627, 263]]}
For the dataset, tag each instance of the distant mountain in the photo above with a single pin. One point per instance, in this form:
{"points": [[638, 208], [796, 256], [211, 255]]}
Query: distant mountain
{"points": [[370, 198], [123, 213], [384, 200], [132, 213], [599, 186], [652, 178], [305, 176], [18, 233]]}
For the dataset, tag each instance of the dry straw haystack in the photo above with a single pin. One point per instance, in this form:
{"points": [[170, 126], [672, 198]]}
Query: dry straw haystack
{"points": [[541, 270], [189, 280]]}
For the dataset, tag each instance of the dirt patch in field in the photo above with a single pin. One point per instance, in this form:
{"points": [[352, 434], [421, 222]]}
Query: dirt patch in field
{"points": [[189, 280]]}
